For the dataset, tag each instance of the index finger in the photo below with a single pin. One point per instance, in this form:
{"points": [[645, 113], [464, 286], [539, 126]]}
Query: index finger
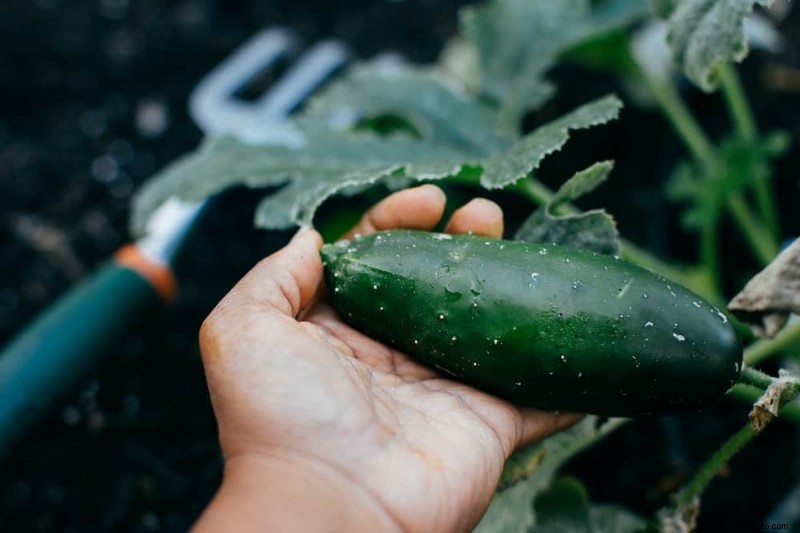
{"points": [[418, 208]]}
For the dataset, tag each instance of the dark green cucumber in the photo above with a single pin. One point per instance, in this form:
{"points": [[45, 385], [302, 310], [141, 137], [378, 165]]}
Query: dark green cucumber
{"points": [[541, 326]]}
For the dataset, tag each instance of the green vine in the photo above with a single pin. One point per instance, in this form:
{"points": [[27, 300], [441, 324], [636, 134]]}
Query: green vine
{"points": [[762, 350]]}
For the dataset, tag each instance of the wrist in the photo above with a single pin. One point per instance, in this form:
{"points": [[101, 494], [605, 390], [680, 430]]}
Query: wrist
{"points": [[288, 493]]}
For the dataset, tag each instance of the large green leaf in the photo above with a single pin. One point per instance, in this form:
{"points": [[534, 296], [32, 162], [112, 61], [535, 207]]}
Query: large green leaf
{"points": [[616, 519], [525, 155], [530, 472], [328, 162], [614, 14], [438, 111], [563, 508], [331, 160], [706, 33], [517, 41], [438, 128]]}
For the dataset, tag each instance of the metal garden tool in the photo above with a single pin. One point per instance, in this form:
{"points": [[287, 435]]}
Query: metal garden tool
{"points": [[55, 351]]}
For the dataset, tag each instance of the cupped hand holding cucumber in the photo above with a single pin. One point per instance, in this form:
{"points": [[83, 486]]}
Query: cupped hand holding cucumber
{"points": [[325, 428]]}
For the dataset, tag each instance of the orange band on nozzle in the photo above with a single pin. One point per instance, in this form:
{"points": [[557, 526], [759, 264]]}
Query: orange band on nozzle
{"points": [[158, 275]]}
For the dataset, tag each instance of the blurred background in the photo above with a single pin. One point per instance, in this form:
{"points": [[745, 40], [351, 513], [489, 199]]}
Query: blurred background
{"points": [[93, 98], [93, 101]]}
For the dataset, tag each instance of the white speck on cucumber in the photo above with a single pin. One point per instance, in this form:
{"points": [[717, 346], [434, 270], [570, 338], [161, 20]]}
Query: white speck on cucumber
{"points": [[624, 289]]}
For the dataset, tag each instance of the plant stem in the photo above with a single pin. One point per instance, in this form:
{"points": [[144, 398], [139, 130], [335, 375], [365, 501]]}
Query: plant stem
{"points": [[709, 469], [766, 203], [755, 378], [761, 241], [766, 348], [541, 194], [682, 121], [737, 102], [749, 395], [709, 255], [742, 116]]}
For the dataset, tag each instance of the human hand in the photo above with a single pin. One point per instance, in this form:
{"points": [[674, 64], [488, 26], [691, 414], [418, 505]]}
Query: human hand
{"points": [[306, 402]]}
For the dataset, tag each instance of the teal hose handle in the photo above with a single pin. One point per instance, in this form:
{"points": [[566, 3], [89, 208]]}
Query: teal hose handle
{"points": [[52, 354]]}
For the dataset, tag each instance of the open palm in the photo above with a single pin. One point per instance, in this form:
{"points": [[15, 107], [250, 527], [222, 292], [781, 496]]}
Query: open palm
{"points": [[289, 379]]}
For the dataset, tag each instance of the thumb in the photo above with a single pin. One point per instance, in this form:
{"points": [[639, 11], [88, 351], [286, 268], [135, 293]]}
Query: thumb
{"points": [[287, 280]]}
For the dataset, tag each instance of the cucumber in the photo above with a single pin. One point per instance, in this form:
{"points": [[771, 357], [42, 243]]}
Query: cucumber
{"points": [[541, 326]]}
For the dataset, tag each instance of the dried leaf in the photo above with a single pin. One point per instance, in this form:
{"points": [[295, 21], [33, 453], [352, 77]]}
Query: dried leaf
{"points": [[679, 520], [767, 300], [767, 407]]}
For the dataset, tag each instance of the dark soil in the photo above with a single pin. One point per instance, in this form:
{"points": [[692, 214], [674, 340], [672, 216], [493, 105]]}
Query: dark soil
{"points": [[93, 101]]}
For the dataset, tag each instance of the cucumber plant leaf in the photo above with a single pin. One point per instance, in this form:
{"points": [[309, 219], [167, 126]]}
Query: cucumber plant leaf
{"points": [[516, 42], [331, 160], [617, 519], [530, 471], [424, 124], [438, 111], [706, 33], [524, 156], [593, 230], [663, 8], [612, 15], [563, 508]]}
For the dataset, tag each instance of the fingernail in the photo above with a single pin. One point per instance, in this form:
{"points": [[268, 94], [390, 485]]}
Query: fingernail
{"points": [[439, 192], [307, 232]]}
